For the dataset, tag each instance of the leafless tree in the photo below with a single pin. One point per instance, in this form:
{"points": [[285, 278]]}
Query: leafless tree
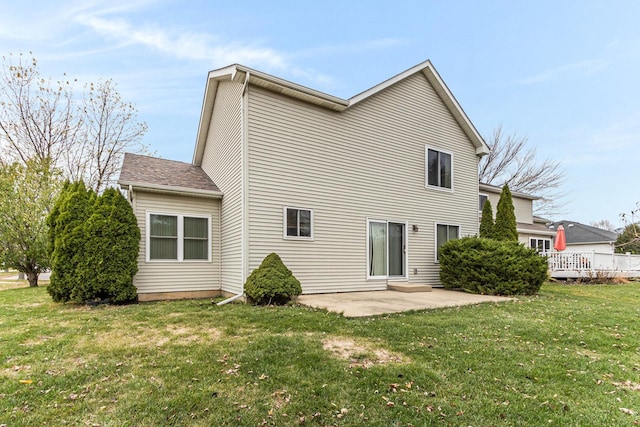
{"points": [[629, 239], [513, 162], [37, 116], [84, 136], [604, 224], [109, 129]]}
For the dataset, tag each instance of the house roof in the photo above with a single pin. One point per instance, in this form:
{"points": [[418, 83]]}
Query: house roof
{"points": [[538, 229], [246, 75], [497, 190], [577, 233], [165, 176]]}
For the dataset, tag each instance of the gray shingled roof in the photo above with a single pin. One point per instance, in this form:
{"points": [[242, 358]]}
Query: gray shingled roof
{"points": [[581, 233], [149, 171]]}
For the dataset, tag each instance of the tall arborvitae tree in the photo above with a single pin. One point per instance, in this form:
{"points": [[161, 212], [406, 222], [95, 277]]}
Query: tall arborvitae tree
{"points": [[486, 221], [68, 238], [505, 225], [110, 257]]}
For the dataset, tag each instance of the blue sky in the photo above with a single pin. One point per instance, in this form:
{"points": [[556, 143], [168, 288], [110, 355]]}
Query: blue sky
{"points": [[564, 74]]}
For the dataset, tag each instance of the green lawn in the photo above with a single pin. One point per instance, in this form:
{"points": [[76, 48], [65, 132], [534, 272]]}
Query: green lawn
{"points": [[568, 357]]}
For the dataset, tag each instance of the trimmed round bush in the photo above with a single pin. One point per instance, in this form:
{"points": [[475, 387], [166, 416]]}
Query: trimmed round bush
{"points": [[272, 282], [491, 267]]}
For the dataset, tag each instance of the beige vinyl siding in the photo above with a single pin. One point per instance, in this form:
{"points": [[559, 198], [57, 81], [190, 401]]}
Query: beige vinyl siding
{"points": [[168, 276], [523, 208], [222, 161], [367, 162]]}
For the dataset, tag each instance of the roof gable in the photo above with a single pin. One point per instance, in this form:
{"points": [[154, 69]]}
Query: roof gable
{"points": [[246, 75]]}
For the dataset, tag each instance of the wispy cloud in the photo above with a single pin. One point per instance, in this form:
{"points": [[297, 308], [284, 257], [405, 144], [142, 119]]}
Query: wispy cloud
{"points": [[588, 67], [190, 45]]}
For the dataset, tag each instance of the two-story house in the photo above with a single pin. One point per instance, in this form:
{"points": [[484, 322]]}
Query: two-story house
{"points": [[351, 193]]}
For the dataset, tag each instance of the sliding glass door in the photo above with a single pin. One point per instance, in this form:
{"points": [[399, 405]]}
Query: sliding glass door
{"points": [[387, 249]]}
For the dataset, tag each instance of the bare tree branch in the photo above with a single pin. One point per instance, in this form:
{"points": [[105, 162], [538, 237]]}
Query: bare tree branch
{"points": [[603, 224], [85, 137], [512, 162]]}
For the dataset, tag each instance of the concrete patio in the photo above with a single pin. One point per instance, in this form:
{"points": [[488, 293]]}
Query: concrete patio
{"points": [[371, 303]]}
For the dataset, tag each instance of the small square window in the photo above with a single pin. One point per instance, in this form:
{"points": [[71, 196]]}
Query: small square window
{"points": [[298, 223]]}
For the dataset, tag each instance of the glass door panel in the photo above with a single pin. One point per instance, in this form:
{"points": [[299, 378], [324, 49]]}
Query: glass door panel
{"points": [[396, 249], [377, 249]]}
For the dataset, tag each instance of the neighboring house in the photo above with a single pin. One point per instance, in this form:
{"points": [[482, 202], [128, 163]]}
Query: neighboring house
{"points": [[532, 230], [351, 193], [584, 238]]}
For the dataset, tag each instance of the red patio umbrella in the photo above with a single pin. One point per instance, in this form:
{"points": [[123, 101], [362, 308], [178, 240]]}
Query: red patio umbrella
{"points": [[560, 243]]}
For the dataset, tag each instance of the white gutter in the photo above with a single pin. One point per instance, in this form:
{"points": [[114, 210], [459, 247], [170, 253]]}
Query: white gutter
{"points": [[169, 189]]}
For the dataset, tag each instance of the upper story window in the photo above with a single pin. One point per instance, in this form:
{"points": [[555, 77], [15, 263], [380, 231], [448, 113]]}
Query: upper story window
{"points": [[298, 223], [177, 237], [439, 168]]}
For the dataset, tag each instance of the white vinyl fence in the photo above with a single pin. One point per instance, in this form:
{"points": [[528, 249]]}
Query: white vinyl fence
{"points": [[590, 263]]}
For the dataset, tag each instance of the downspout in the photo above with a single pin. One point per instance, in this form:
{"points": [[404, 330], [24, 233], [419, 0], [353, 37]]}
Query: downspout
{"points": [[132, 200], [243, 121]]}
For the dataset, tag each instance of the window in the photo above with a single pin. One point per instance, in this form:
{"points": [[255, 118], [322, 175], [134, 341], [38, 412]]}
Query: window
{"points": [[444, 233], [298, 223], [178, 237], [439, 168], [482, 199], [541, 245]]}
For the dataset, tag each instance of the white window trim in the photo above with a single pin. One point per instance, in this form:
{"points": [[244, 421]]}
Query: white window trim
{"points": [[426, 169], [180, 217], [406, 250], [435, 235], [284, 224], [544, 239]]}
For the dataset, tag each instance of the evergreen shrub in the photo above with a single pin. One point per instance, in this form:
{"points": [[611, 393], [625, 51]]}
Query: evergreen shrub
{"points": [[110, 258], [93, 243], [272, 282], [486, 220], [491, 267], [505, 227], [67, 238]]}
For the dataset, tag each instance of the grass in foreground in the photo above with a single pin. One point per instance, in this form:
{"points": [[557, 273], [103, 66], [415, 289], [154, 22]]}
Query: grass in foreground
{"points": [[569, 356]]}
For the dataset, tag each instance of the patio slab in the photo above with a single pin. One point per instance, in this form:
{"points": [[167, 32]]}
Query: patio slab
{"points": [[371, 303]]}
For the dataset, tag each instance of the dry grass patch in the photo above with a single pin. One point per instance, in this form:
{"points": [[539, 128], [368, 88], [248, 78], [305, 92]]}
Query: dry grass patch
{"points": [[362, 353], [628, 385], [12, 284], [141, 336], [16, 371]]}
